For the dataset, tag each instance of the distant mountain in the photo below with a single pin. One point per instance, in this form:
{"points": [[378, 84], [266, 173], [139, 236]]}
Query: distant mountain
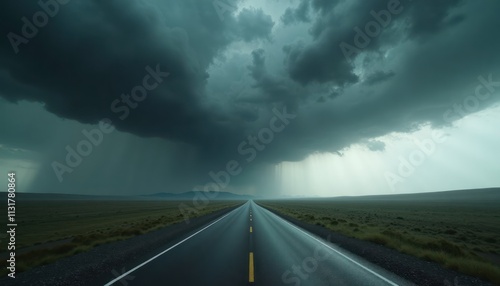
{"points": [[488, 195], [163, 196], [62, 197], [191, 195]]}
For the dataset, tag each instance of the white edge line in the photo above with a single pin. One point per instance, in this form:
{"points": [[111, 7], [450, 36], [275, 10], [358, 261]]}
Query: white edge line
{"points": [[338, 252], [165, 251]]}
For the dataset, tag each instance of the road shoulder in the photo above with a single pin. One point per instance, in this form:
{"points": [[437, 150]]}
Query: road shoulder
{"points": [[106, 262], [408, 267]]}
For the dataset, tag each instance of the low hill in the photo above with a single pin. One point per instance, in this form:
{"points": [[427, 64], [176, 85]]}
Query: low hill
{"points": [[191, 195], [156, 196], [470, 195]]}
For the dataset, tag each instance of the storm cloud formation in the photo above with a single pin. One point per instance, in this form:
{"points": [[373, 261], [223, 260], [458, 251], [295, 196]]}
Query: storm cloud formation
{"points": [[226, 74]]}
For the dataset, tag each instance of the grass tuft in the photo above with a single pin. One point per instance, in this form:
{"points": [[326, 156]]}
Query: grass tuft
{"points": [[412, 228]]}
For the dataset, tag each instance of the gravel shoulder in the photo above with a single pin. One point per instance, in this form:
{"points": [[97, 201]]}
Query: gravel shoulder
{"points": [[106, 262], [408, 267]]}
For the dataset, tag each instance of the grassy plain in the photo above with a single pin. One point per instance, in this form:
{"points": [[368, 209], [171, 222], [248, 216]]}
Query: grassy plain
{"points": [[461, 235], [50, 230]]}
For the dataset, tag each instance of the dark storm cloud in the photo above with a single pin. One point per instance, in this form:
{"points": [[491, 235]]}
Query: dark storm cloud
{"points": [[92, 52], [375, 145], [273, 89], [378, 76], [299, 14], [254, 24], [258, 69], [433, 73], [429, 18], [323, 61], [325, 6]]}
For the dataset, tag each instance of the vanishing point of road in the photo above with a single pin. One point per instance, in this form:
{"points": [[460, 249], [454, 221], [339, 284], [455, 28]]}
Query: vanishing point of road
{"points": [[252, 246]]}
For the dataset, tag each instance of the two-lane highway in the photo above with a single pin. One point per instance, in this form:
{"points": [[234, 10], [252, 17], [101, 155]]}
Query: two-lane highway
{"points": [[252, 246]]}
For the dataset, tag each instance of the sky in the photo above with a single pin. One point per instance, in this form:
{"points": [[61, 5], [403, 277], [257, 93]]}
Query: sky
{"points": [[262, 97]]}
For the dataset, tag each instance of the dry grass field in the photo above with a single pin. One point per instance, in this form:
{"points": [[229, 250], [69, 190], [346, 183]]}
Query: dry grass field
{"points": [[50, 230], [461, 235]]}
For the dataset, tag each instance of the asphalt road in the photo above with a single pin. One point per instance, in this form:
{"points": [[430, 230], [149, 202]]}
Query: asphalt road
{"points": [[252, 246]]}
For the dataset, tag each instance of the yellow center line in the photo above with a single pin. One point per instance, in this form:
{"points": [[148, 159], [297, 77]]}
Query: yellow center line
{"points": [[250, 229], [250, 269]]}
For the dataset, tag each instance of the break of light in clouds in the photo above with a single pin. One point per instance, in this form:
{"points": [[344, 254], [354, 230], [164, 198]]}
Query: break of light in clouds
{"points": [[361, 171], [356, 111]]}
